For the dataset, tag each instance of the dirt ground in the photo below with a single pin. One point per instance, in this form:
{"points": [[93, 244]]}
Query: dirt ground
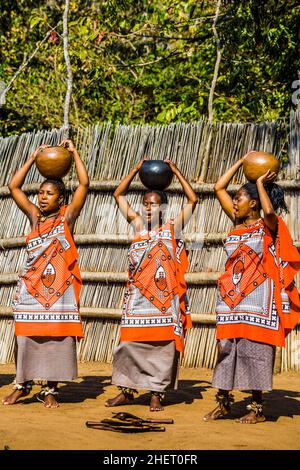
{"points": [[29, 426]]}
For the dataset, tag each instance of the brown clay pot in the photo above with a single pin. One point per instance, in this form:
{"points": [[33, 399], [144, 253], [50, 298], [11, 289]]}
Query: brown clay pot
{"points": [[255, 164], [54, 162]]}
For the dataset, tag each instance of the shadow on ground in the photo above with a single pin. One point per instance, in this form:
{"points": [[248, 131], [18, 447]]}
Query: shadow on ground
{"points": [[89, 387], [278, 403], [6, 379], [187, 392]]}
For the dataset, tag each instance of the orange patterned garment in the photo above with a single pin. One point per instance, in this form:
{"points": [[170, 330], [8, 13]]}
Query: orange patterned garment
{"points": [[155, 305], [257, 297], [47, 299]]}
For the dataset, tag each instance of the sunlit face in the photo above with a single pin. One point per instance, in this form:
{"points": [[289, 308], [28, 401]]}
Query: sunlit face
{"points": [[151, 209], [243, 205], [49, 199]]}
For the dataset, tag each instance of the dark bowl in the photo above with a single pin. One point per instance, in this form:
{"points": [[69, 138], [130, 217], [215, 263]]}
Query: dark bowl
{"points": [[156, 174]]}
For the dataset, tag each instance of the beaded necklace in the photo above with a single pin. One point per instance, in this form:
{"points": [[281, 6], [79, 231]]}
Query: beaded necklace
{"points": [[42, 219]]}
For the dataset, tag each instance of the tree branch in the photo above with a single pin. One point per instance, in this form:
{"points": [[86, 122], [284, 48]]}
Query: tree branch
{"points": [[217, 63], [211, 95], [66, 126], [125, 65], [142, 64], [22, 67]]}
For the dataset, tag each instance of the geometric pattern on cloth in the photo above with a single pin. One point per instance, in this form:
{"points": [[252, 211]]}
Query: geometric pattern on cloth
{"points": [[156, 277], [154, 321], [145, 314], [247, 237], [56, 232], [46, 317], [285, 303], [139, 309], [243, 274], [245, 291], [46, 279], [65, 310], [270, 322], [46, 300], [155, 305]]}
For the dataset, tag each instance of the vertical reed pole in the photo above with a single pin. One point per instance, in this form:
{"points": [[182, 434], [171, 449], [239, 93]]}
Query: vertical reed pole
{"points": [[277, 360]]}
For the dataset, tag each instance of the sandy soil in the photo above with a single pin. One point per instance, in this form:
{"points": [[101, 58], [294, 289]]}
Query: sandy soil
{"points": [[28, 425]]}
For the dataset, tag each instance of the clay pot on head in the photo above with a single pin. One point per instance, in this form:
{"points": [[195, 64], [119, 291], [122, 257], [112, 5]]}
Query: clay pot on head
{"points": [[156, 174], [54, 162], [257, 163]]}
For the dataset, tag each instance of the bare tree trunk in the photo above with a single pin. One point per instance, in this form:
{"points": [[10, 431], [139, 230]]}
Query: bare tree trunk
{"points": [[298, 104], [211, 94], [69, 70], [217, 63]]}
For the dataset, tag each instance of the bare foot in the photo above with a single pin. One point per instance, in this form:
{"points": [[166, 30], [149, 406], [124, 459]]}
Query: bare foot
{"points": [[50, 401], [251, 418], [119, 400], [14, 397], [155, 404], [216, 413]]}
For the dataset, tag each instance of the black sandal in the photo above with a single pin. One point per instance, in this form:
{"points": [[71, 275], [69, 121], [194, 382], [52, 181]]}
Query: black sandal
{"points": [[224, 402], [26, 388], [224, 407], [160, 396], [257, 409], [128, 394], [45, 391]]}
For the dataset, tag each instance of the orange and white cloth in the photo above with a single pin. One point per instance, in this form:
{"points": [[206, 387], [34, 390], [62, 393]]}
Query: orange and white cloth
{"points": [[47, 298], [155, 306], [257, 296]]}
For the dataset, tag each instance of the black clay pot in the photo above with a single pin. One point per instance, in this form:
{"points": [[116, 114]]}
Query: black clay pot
{"points": [[156, 174]]}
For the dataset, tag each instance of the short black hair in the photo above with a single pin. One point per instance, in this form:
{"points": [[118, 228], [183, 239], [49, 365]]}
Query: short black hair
{"points": [[59, 184], [274, 191], [163, 196]]}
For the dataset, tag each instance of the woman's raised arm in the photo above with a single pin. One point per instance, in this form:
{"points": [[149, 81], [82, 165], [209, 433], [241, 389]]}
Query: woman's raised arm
{"points": [[129, 213], [18, 195], [220, 189], [182, 219], [80, 194]]}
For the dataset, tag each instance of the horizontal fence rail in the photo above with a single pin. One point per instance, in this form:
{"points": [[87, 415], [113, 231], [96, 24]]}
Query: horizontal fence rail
{"points": [[102, 235]]}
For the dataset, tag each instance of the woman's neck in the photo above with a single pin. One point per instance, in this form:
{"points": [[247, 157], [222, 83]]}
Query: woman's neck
{"points": [[45, 216], [153, 228], [250, 220]]}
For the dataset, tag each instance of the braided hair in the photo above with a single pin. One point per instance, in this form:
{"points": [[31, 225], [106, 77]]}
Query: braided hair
{"points": [[274, 191]]}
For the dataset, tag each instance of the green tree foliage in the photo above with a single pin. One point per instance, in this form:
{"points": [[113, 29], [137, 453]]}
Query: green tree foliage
{"points": [[148, 61]]}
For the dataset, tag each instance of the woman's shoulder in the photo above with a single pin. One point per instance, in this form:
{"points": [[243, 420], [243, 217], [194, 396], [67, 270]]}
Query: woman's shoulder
{"points": [[241, 229], [62, 209]]}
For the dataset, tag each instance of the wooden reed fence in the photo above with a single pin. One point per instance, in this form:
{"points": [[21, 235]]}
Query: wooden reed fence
{"points": [[102, 234]]}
